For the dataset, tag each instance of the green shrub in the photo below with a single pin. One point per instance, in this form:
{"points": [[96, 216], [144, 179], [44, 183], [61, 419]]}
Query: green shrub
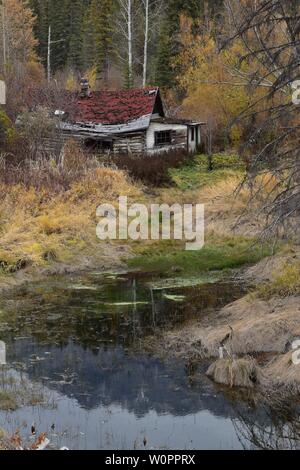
{"points": [[284, 284], [6, 129], [195, 173]]}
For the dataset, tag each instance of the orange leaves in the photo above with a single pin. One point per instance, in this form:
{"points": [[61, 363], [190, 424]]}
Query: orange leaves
{"points": [[16, 441], [41, 443], [18, 21], [215, 80]]}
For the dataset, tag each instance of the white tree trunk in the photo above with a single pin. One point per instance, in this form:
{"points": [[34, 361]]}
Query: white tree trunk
{"points": [[49, 56], [145, 65], [4, 35], [130, 54]]}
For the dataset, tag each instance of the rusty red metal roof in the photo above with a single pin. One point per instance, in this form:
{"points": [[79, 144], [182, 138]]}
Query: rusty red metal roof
{"points": [[116, 107]]}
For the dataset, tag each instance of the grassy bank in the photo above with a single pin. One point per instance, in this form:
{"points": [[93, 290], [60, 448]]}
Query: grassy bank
{"points": [[217, 255], [41, 227], [231, 228], [196, 173], [283, 283], [257, 331], [53, 229], [48, 218]]}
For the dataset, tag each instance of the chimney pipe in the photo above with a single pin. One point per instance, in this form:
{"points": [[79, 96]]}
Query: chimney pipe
{"points": [[85, 88]]}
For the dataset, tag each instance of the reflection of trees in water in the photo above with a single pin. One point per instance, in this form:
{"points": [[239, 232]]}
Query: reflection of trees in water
{"points": [[112, 376], [279, 431], [52, 313], [92, 332]]}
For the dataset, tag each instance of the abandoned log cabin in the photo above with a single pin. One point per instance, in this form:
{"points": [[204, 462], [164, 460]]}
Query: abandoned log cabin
{"points": [[126, 121]]}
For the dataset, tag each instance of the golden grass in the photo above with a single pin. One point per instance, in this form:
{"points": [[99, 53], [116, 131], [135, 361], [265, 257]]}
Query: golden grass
{"points": [[36, 226], [285, 282], [234, 196], [283, 371], [224, 205], [235, 372], [232, 206], [258, 326]]}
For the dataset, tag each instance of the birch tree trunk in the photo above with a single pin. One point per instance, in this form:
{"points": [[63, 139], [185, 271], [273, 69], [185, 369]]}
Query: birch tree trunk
{"points": [[145, 64], [49, 56], [4, 36], [130, 54], [152, 10], [125, 25]]}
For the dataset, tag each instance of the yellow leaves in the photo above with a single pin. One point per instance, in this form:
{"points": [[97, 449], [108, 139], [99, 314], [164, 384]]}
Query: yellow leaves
{"points": [[18, 21], [215, 80], [35, 71], [233, 57], [72, 82], [91, 76], [236, 133]]}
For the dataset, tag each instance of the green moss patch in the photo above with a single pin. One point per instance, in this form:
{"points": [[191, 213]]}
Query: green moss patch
{"points": [[195, 174], [217, 255]]}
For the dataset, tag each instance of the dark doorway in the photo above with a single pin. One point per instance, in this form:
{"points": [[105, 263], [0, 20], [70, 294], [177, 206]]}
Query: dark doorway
{"points": [[99, 146]]}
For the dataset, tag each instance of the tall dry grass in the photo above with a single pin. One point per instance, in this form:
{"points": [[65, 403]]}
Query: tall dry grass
{"points": [[235, 207], [48, 212], [54, 173], [242, 372]]}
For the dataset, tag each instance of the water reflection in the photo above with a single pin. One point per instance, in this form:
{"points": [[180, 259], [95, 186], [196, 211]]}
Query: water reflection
{"points": [[115, 311], [81, 337], [280, 430]]}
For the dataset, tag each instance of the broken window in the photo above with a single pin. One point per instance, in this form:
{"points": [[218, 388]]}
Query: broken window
{"points": [[163, 138]]}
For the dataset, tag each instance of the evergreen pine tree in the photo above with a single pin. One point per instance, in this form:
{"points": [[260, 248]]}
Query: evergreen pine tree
{"points": [[58, 20], [168, 46], [88, 40], [88, 31], [164, 72], [40, 10], [103, 12], [75, 10]]}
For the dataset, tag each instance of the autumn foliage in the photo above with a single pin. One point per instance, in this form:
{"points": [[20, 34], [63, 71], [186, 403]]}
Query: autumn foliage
{"points": [[213, 81]]}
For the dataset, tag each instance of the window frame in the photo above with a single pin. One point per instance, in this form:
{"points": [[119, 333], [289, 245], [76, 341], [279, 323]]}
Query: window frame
{"points": [[163, 138]]}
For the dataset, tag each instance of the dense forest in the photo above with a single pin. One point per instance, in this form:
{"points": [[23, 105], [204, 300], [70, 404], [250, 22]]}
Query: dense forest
{"points": [[113, 36], [205, 55], [113, 43], [211, 60]]}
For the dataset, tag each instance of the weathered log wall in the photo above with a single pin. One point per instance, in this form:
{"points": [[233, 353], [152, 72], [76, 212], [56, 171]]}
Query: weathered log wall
{"points": [[138, 143], [54, 145], [130, 144]]}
